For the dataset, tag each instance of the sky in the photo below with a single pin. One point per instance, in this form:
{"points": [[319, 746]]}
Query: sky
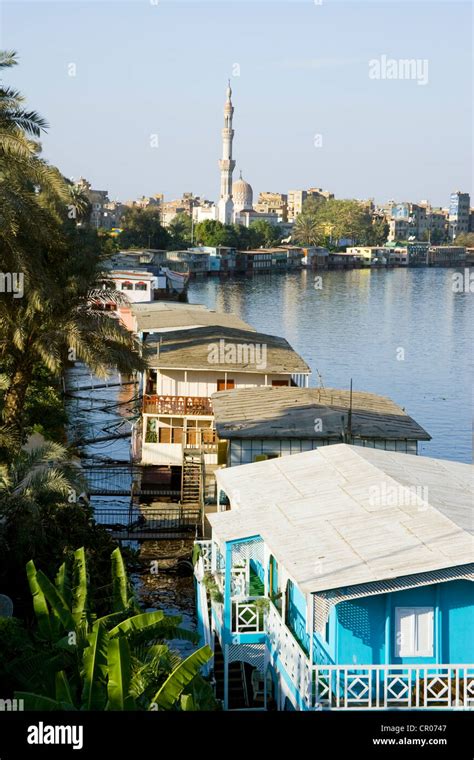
{"points": [[134, 92]]}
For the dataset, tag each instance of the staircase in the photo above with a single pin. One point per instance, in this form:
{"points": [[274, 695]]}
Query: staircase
{"points": [[239, 680], [192, 480]]}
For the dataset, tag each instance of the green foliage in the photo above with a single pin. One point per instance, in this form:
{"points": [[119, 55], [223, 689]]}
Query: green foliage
{"points": [[213, 588], [170, 692], [327, 222], [105, 663], [180, 230], [464, 238], [142, 228]]}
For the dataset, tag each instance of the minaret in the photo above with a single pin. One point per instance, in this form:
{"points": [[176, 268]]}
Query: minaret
{"points": [[226, 164]]}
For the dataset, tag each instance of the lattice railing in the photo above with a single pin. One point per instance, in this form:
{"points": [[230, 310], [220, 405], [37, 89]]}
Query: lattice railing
{"points": [[247, 617], [283, 643], [393, 686]]}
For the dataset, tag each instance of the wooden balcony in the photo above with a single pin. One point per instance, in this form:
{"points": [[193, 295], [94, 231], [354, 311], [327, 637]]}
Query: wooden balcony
{"points": [[179, 405]]}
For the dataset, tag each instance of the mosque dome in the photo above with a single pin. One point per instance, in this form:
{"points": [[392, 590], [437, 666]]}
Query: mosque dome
{"points": [[242, 194]]}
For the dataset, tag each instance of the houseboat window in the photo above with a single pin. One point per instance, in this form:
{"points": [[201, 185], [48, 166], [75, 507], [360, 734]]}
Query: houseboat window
{"points": [[279, 383], [222, 386], [140, 286], [127, 286], [414, 628]]}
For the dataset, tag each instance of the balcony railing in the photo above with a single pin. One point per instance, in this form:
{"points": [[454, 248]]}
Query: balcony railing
{"points": [[248, 616], [393, 687], [179, 405], [343, 687]]}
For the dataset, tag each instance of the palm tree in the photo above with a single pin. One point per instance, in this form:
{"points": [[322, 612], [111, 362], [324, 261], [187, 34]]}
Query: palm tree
{"points": [[30, 480], [56, 319], [306, 230], [116, 662]]}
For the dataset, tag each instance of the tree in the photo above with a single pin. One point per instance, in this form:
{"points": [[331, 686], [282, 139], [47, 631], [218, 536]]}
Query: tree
{"points": [[142, 228], [180, 230], [42, 517], [464, 238], [213, 233], [307, 231], [267, 234], [119, 661]]}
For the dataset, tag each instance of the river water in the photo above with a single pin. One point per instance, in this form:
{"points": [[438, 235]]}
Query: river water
{"points": [[402, 333]]}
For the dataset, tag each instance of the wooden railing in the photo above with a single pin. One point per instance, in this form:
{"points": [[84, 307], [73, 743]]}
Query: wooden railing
{"points": [[179, 405]]}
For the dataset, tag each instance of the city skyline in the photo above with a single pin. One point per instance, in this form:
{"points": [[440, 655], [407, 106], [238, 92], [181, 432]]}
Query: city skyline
{"points": [[353, 136]]}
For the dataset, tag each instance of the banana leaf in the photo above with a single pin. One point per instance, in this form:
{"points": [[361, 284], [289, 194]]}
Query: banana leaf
{"points": [[63, 585], [137, 623], [94, 672], [119, 581], [153, 625], [79, 590], [56, 601], [46, 623], [63, 690], [170, 692], [119, 672]]}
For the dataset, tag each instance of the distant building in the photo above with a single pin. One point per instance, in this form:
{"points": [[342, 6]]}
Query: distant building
{"points": [[459, 212], [296, 198], [370, 255], [407, 221], [273, 203], [98, 200]]}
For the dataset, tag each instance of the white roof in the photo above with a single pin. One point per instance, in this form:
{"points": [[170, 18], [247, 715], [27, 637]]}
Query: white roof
{"points": [[342, 515]]}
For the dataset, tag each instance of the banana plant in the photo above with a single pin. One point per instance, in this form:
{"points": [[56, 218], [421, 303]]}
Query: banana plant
{"points": [[115, 662]]}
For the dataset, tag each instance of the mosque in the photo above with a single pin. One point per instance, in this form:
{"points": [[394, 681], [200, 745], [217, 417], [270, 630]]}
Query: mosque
{"points": [[235, 205]]}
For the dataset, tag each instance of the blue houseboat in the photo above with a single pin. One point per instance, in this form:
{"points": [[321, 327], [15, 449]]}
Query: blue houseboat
{"points": [[341, 578]]}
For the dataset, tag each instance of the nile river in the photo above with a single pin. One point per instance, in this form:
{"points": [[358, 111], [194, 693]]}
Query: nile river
{"points": [[400, 333]]}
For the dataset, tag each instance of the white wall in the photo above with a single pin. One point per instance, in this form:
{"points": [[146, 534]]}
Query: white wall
{"points": [[204, 384]]}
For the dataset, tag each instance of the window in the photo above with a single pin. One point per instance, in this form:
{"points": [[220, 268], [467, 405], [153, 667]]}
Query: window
{"points": [[279, 383], [141, 286], [414, 631], [127, 286], [222, 386]]}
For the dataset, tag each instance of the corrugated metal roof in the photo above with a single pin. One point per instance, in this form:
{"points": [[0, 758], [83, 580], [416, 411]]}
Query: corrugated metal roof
{"points": [[344, 515], [293, 413], [224, 349]]}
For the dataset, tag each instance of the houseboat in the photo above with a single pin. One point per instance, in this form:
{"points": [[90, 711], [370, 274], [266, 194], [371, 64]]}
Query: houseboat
{"points": [[186, 366], [341, 578], [267, 422]]}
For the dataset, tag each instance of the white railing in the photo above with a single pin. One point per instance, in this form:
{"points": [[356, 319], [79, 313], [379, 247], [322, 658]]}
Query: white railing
{"points": [[394, 686], [283, 644], [248, 617], [344, 687]]}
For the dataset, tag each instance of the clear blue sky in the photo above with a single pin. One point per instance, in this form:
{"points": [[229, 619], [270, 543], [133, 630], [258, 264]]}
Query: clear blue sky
{"points": [[146, 68]]}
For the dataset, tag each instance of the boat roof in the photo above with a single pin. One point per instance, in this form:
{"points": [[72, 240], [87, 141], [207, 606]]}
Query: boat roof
{"points": [[343, 515], [189, 317], [224, 349], [290, 412]]}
